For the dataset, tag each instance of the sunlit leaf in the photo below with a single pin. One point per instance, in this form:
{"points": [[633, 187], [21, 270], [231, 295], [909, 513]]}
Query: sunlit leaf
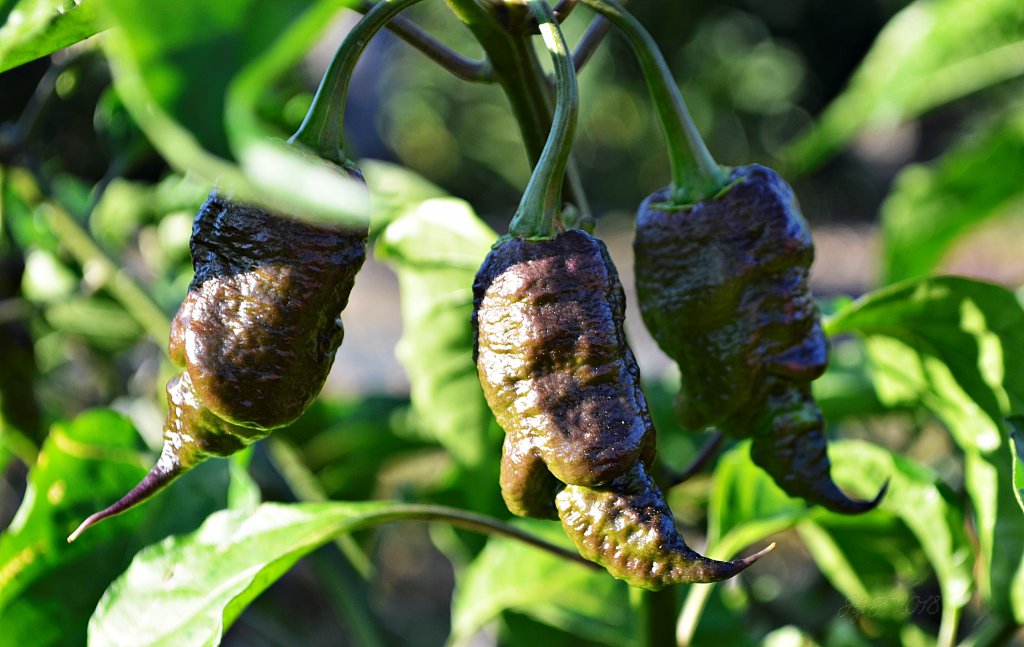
{"points": [[950, 344], [393, 190], [932, 52], [31, 29], [931, 206], [846, 389], [746, 505], [922, 503], [1017, 446], [511, 576], [49, 588], [188, 589], [436, 249], [788, 636]]}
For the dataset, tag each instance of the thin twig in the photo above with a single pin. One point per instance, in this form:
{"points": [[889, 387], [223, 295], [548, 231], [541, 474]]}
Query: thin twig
{"points": [[459, 65], [563, 9], [704, 456], [476, 523], [590, 41]]}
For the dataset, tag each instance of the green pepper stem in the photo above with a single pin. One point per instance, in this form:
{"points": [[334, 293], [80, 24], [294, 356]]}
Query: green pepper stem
{"points": [[321, 130], [541, 202], [695, 174]]}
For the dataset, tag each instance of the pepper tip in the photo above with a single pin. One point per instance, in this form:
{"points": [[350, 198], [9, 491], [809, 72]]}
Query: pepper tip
{"points": [[157, 479], [748, 561]]}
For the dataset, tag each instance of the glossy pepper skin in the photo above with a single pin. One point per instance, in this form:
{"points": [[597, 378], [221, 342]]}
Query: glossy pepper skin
{"points": [[559, 376], [723, 289], [255, 336]]}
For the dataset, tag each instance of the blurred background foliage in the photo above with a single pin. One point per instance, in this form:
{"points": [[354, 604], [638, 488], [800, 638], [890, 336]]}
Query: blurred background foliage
{"points": [[900, 122]]}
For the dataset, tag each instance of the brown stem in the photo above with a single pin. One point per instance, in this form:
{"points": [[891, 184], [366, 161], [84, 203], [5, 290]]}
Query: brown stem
{"points": [[704, 456], [522, 79], [462, 67], [589, 42]]}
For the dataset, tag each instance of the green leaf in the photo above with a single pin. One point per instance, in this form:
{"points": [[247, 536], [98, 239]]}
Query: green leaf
{"points": [[874, 565], [917, 498], [393, 190], [348, 443], [746, 505], [194, 92], [98, 319], [31, 29], [436, 249], [931, 206], [85, 465], [187, 590], [846, 389], [1016, 423], [512, 576], [243, 491], [81, 468], [931, 53], [950, 344]]}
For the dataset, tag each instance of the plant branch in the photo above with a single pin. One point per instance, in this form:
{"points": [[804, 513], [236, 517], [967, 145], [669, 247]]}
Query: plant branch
{"points": [[541, 204], [461, 66], [590, 41], [523, 81], [658, 613], [704, 456], [695, 174], [563, 9], [321, 130], [474, 522]]}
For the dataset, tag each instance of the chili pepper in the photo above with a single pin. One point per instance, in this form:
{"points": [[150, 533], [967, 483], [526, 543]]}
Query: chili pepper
{"points": [[256, 333], [259, 327], [723, 289], [562, 382]]}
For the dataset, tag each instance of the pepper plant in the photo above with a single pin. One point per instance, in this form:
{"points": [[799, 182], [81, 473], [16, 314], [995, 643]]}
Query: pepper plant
{"points": [[845, 469]]}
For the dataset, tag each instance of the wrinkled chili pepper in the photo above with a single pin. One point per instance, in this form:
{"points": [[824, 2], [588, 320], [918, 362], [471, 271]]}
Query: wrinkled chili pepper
{"points": [[723, 289], [259, 327], [561, 380], [256, 334]]}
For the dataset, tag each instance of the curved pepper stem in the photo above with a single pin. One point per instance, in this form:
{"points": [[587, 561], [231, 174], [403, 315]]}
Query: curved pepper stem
{"points": [[321, 130], [695, 174], [541, 202]]}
